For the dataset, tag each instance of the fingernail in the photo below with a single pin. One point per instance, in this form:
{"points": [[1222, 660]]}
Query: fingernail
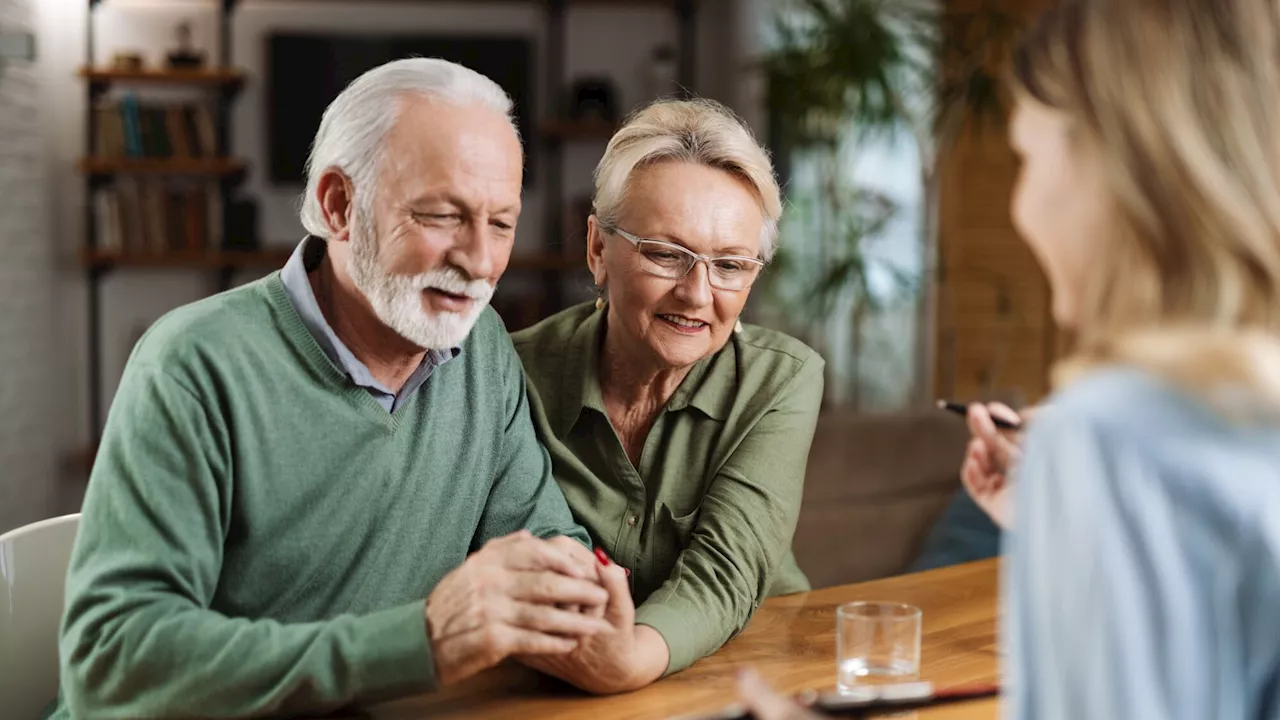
{"points": [[602, 557]]}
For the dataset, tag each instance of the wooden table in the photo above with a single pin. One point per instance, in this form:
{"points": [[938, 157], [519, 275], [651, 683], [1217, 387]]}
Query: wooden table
{"points": [[790, 641]]}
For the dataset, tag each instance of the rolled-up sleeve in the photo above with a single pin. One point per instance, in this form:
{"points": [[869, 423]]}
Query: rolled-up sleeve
{"points": [[745, 526]]}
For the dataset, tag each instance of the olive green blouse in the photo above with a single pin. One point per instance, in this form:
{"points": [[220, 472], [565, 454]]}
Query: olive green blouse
{"points": [[705, 521]]}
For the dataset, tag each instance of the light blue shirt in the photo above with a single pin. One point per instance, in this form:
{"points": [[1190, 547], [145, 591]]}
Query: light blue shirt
{"points": [[307, 257], [1142, 577]]}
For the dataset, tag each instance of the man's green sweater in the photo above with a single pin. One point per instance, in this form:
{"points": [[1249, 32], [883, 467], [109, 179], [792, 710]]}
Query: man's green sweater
{"points": [[259, 535]]}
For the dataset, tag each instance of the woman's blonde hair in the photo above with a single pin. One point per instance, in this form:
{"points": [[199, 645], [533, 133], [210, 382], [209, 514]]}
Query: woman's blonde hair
{"points": [[697, 131], [1180, 102]]}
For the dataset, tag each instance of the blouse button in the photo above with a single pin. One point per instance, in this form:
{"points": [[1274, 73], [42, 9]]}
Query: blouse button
{"points": [[632, 520]]}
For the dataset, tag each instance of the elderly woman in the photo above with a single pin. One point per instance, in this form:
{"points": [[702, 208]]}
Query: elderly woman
{"points": [[678, 434]]}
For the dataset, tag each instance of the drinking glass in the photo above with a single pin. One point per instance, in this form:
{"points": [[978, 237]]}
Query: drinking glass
{"points": [[876, 643]]}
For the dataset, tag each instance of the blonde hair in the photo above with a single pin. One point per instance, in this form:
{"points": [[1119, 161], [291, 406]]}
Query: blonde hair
{"points": [[1180, 102], [697, 131]]}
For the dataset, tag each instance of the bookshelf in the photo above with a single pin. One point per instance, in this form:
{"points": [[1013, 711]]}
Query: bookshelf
{"points": [[157, 176], [174, 157]]}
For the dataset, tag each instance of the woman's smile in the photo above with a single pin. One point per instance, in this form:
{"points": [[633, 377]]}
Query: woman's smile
{"points": [[683, 324]]}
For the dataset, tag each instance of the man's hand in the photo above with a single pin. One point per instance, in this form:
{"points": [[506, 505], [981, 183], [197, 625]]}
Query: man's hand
{"points": [[990, 456], [625, 658], [503, 601], [586, 561], [578, 554]]}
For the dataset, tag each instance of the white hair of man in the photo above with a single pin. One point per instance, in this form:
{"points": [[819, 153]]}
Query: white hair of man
{"points": [[352, 138], [354, 128], [699, 131]]}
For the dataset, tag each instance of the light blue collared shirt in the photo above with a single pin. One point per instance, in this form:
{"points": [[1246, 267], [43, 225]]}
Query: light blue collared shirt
{"points": [[307, 257], [1142, 576]]}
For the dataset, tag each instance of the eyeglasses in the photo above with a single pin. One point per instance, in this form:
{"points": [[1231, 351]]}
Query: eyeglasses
{"points": [[673, 262]]}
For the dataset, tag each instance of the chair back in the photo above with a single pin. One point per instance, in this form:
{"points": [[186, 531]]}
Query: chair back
{"points": [[33, 571]]}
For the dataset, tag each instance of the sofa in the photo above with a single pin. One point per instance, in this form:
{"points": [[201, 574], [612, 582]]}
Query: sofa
{"points": [[875, 486]]}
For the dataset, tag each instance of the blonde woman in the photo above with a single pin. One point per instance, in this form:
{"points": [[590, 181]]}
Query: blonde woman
{"points": [[1143, 575], [678, 434]]}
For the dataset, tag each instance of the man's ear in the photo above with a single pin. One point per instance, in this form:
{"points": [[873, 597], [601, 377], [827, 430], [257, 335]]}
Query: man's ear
{"points": [[336, 195], [595, 251]]}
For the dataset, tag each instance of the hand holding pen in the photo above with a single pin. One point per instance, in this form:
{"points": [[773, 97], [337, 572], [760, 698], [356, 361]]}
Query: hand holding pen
{"points": [[992, 452]]}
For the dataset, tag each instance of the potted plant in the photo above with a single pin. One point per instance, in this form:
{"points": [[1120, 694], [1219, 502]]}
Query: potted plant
{"points": [[840, 74]]}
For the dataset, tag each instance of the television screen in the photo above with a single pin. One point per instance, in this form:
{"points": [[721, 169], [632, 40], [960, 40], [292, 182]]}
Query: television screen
{"points": [[305, 72]]}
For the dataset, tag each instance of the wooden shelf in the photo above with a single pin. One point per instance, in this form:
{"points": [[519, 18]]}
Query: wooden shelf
{"points": [[216, 77], [210, 260], [578, 130], [161, 166]]}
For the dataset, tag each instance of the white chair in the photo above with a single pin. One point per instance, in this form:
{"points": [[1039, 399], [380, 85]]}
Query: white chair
{"points": [[33, 571]]}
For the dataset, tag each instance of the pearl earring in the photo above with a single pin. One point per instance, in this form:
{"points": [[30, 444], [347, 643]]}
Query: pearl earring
{"points": [[600, 302], [738, 327]]}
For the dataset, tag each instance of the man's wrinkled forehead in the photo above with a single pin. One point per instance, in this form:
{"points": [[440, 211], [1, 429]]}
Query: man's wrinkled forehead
{"points": [[466, 150]]}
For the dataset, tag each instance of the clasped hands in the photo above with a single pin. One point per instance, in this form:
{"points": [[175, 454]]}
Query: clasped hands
{"points": [[551, 605]]}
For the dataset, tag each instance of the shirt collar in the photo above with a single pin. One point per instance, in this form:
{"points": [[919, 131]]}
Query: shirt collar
{"points": [[709, 386], [711, 383], [294, 276]]}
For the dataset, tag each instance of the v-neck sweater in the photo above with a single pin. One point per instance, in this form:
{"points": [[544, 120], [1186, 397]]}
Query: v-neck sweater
{"points": [[259, 535]]}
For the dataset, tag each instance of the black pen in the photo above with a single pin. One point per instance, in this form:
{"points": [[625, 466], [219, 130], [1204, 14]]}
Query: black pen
{"points": [[963, 410]]}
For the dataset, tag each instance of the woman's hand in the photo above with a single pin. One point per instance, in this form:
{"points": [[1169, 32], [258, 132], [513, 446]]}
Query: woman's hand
{"points": [[765, 704], [626, 658], [990, 456]]}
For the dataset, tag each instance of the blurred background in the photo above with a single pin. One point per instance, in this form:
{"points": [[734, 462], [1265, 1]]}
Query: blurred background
{"points": [[151, 154]]}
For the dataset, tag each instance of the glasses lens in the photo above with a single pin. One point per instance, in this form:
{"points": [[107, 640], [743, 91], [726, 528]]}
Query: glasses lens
{"points": [[733, 274], [664, 260]]}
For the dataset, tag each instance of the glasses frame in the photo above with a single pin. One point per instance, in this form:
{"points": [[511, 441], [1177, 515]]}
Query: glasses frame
{"points": [[635, 241]]}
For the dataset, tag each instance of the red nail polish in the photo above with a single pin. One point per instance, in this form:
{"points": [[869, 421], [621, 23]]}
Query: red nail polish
{"points": [[604, 559]]}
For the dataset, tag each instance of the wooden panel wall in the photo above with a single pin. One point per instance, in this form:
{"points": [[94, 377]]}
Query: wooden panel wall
{"points": [[996, 337]]}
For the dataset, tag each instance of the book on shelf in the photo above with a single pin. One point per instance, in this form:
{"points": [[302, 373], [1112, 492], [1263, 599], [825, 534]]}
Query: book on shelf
{"points": [[148, 217], [127, 128]]}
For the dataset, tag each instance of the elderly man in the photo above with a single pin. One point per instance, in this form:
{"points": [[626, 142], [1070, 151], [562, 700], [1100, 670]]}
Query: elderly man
{"points": [[324, 488]]}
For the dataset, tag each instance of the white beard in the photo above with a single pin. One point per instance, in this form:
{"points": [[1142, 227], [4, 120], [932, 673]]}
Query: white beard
{"points": [[397, 299]]}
